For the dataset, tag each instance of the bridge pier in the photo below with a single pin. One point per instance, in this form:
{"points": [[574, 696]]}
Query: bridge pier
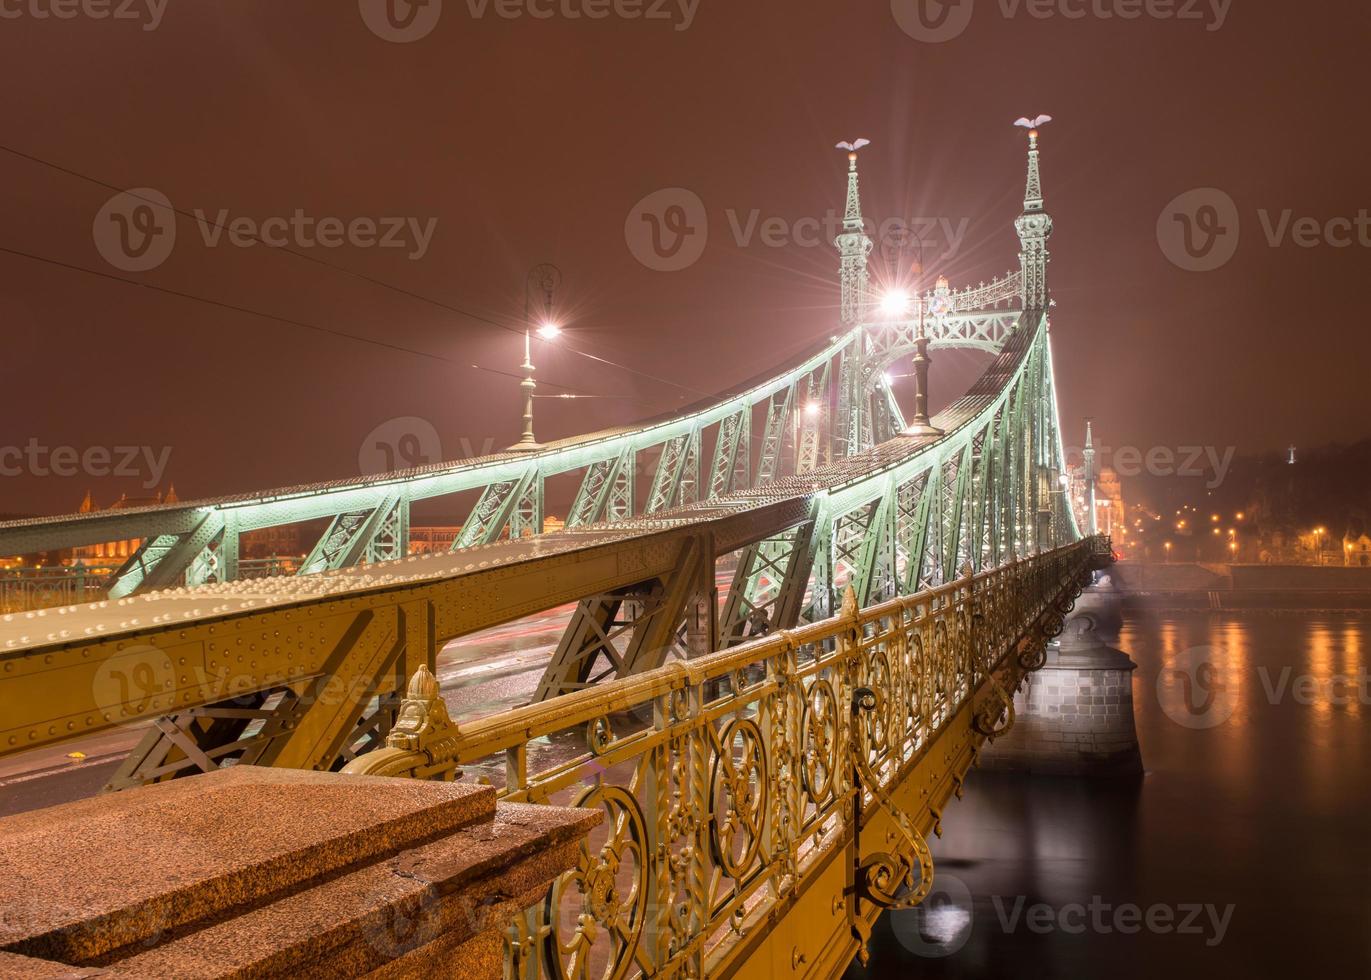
{"points": [[1074, 716]]}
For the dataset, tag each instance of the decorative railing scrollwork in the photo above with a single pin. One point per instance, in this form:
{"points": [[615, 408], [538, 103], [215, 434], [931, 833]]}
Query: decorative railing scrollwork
{"points": [[729, 778]]}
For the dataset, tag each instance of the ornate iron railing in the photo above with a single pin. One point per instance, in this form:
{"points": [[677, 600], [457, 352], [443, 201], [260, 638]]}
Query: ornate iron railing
{"points": [[986, 296], [39, 587], [43, 587], [725, 779]]}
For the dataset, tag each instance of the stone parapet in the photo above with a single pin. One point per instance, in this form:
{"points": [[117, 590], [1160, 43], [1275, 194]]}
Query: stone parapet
{"points": [[257, 872]]}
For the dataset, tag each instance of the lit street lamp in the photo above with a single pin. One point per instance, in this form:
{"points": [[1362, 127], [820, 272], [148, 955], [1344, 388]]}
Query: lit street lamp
{"points": [[895, 303], [546, 278], [920, 425]]}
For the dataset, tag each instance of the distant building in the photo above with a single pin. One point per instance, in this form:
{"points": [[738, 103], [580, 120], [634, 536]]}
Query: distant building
{"points": [[1110, 513], [271, 542], [439, 538], [427, 540], [116, 551], [1357, 550]]}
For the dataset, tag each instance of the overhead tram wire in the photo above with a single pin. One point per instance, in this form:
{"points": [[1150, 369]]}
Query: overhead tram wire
{"points": [[338, 268], [234, 307]]}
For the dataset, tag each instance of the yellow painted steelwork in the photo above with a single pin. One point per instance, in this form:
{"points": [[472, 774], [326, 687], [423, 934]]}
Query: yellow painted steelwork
{"points": [[732, 784]]}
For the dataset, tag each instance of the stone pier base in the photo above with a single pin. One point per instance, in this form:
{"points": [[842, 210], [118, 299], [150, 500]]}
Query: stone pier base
{"points": [[1075, 716]]}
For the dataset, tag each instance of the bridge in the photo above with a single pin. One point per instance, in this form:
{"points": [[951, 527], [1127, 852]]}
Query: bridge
{"points": [[765, 798]]}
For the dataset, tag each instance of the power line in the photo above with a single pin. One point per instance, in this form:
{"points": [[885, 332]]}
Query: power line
{"points": [[272, 316], [335, 267]]}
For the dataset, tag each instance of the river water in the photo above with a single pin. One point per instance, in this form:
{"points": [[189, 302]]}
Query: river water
{"points": [[1244, 850]]}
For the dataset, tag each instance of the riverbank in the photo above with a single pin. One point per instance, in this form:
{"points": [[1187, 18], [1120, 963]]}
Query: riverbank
{"points": [[1255, 588]]}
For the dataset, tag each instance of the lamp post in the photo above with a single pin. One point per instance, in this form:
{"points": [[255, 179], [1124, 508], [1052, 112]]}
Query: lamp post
{"points": [[920, 425], [545, 278]]}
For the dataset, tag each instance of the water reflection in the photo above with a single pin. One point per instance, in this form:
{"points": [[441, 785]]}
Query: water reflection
{"points": [[1265, 811]]}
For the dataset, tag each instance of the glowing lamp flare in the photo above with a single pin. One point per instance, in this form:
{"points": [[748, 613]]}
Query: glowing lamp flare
{"points": [[549, 331], [895, 302]]}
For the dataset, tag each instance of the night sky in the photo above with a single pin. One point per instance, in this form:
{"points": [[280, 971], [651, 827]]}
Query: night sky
{"points": [[522, 140]]}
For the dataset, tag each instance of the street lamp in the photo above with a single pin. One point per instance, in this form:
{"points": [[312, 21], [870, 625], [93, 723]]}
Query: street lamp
{"points": [[545, 279], [920, 425], [895, 303]]}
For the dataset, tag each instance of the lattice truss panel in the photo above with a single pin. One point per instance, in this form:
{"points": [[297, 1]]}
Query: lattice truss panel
{"points": [[314, 687], [792, 424]]}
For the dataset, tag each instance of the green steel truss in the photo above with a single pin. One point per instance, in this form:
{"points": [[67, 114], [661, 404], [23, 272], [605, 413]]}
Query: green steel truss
{"points": [[986, 492]]}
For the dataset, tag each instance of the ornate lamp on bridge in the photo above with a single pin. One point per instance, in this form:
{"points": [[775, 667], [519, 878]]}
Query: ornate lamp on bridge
{"points": [[938, 304], [546, 278]]}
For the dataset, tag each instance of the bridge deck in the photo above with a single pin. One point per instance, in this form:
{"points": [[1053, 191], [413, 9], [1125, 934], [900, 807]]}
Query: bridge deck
{"points": [[77, 670]]}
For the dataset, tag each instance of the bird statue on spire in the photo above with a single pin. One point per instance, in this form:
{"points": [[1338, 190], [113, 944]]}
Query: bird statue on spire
{"points": [[1033, 123], [854, 146]]}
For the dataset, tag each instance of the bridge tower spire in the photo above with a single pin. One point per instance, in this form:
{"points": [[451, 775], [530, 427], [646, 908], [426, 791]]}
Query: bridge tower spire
{"points": [[1089, 459], [853, 249], [1034, 225], [853, 245]]}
